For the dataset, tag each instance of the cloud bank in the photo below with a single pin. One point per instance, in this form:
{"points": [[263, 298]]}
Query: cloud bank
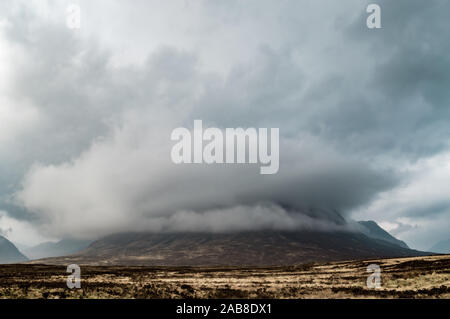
{"points": [[87, 114]]}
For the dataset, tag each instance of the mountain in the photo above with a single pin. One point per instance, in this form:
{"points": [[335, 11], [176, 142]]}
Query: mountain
{"points": [[371, 229], [253, 248], [9, 254], [442, 247], [51, 249]]}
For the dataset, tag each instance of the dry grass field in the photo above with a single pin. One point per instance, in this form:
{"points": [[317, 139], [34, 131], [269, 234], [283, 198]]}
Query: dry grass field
{"points": [[418, 277]]}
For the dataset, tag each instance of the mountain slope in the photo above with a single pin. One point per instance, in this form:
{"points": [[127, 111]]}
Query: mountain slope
{"points": [[442, 247], [61, 248], [9, 253], [373, 230], [258, 248]]}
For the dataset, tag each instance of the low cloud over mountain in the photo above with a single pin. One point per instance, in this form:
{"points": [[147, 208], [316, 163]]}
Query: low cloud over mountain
{"points": [[87, 115]]}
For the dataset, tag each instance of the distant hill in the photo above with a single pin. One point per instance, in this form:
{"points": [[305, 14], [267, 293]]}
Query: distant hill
{"points": [[53, 249], [9, 253], [373, 230], [256, 248], [442, 247]]}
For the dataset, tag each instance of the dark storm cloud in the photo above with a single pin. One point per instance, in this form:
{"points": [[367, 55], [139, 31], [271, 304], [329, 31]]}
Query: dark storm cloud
{"points": [[407, 95], [354, 107], [409, 85], [430, 210]]}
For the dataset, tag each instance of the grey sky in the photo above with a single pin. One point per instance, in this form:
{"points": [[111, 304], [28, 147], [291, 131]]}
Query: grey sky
{"points": [[86, 114]]}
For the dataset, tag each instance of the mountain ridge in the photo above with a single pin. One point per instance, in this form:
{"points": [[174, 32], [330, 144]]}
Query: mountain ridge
{"points": [[373, 230], [442, 247], [9, 253], [56, 249], [252, 248]]}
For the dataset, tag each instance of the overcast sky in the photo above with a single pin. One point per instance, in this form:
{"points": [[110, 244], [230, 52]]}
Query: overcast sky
{"points": [[86, 115]]}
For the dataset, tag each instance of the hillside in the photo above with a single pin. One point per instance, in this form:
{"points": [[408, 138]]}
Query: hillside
{"points": [[442, 247], [53, 249], [373, 230], [259, 248], [9, 253]]}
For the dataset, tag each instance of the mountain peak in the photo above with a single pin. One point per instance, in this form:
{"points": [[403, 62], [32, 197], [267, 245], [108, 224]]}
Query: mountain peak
{"points": [[9, 253], [373, 230]]}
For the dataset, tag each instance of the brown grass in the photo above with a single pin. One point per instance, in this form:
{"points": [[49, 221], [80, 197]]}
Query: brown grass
{"points": [[419, 277]]}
